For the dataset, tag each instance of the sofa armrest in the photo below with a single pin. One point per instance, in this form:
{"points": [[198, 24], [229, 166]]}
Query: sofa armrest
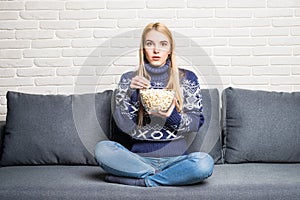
{"points": [[2, 130]]}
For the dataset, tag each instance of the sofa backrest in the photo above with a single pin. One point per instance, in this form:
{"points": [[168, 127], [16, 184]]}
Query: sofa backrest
{"points": [[257, 126], [63, 129], [261, 126], [2, 129]]}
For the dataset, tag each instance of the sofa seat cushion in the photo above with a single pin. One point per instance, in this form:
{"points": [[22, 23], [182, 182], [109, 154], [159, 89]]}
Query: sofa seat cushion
{"points": [[242, 181], [256, 181]]}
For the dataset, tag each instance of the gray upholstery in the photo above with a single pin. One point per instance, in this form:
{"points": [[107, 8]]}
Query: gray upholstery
{"points": [[84, 122], [54, 129], [2, 129], [261, 126], [237, 181]]}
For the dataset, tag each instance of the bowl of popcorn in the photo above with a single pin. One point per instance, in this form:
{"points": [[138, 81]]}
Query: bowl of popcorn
{"points": [[155, 100]]}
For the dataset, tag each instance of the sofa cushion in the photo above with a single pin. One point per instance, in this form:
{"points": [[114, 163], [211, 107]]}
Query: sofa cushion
{"points": [[54, 129], [230, 181], [208, 137], [261, 126]]}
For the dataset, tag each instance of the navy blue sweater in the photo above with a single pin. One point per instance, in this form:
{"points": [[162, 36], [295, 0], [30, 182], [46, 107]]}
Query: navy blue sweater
{"points": [[159, 137]]}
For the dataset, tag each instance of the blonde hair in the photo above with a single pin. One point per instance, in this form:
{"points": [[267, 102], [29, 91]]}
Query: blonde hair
{"points": [[173, 82]]}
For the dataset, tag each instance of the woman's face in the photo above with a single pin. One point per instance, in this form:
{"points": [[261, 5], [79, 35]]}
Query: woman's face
{"points": [[157, 48]]}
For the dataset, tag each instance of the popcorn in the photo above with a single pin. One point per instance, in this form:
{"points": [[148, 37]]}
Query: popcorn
{"points": [[155, 100]]}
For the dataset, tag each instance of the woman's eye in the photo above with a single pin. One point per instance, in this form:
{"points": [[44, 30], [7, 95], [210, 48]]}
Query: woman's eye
{"points": [[149, 44]]}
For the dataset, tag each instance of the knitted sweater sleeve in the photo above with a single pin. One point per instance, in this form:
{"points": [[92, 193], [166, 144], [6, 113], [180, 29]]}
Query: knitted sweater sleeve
{"points": [[191, 118], [126, 104]]}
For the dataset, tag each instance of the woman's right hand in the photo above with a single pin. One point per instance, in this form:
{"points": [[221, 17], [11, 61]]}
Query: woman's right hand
{"points": [[139, 82]]}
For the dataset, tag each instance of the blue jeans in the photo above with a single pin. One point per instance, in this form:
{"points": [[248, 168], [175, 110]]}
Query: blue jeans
{"points": [[180, 170]]}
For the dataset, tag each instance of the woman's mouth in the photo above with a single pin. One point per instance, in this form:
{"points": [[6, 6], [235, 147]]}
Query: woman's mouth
{"points": [[155, 58]]}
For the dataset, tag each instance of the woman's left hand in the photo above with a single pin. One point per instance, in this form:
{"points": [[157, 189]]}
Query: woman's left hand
{"points": [[168, 113]]}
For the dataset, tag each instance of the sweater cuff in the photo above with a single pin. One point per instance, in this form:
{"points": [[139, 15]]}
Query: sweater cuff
{"points": [[174, 118]]}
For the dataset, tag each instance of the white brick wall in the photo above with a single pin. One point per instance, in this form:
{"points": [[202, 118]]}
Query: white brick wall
{"points": [[62, 47]]}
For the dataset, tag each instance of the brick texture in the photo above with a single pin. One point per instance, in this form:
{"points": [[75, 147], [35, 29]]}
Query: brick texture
{"points": [[65, 47]]}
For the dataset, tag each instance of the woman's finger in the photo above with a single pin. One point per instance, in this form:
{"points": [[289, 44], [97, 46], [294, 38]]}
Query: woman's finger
{"points": [[139, 82], [143, 80]]}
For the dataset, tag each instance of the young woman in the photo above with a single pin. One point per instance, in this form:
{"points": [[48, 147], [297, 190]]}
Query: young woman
{"points": [[158, 155]]}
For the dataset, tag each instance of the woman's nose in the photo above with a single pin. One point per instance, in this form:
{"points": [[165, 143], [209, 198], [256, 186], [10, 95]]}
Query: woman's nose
{"points": [[155, 50]]}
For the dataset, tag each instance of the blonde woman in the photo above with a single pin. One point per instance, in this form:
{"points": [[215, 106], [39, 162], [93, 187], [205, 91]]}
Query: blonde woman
{"points": [[157, 156]]}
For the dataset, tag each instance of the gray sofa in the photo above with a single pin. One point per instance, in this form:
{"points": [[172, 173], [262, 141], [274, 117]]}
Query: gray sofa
{"points": [[47, 146]]}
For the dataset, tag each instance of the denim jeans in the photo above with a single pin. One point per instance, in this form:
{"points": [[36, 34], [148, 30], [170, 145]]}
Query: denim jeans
{"points": [[180, 170]]}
